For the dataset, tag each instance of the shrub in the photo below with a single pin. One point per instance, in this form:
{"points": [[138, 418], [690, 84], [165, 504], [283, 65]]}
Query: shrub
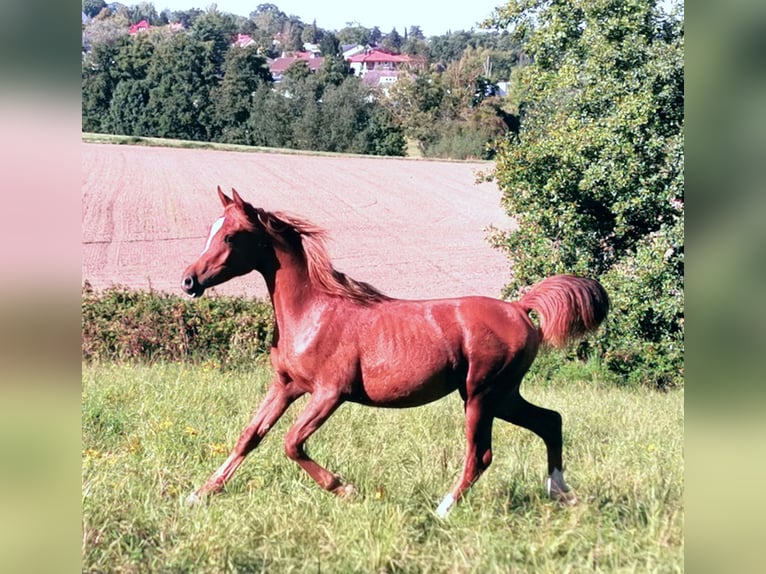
{"points": [[119, 324], [595, 180]]}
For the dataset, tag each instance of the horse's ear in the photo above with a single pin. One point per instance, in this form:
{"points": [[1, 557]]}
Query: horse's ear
{"points": [[225, 200], [237, 199], [254, 214]]}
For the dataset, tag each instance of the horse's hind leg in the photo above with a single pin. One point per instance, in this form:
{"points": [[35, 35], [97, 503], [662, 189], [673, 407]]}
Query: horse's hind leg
{"points": [[280, 395], [546, 424], [478, 432], [320, 407]]}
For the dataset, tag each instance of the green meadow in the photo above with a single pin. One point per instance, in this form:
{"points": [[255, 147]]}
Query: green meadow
{"points": [[153, 433]]}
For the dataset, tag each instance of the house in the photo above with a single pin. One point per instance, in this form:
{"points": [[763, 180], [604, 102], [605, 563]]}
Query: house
{"points": [[243, 41], [376, 59], [141, 26], [278, 66], [313, 49], [351, 50], [382, 79]]}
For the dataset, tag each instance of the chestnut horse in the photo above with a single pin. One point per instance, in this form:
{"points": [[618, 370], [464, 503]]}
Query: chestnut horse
{"points": [[343, 340]]}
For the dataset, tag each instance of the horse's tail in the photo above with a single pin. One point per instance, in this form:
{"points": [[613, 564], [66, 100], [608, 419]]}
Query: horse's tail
{"points": [[568, 307]]}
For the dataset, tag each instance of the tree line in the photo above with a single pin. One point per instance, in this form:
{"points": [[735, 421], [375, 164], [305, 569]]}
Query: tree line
{"points": [[189, 82]]}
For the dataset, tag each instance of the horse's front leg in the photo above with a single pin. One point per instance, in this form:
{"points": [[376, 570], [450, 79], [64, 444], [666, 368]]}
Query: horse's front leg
{"points": [[281, 394], [320, 407]]}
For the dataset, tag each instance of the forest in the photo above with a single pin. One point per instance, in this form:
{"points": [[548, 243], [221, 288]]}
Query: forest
{"points": [[185, 78]]}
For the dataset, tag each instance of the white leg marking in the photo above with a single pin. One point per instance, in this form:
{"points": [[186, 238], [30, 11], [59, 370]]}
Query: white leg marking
{"points": [[556, 484], [193, 499], [559, 490], [217, 224], [445, 506]]}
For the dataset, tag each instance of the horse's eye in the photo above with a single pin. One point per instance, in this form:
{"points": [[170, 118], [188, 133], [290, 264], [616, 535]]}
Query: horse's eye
{"points": [[228, 239]]}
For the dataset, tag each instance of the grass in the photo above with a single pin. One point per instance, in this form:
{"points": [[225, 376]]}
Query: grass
{"points": [[151, 434], [412, 151]]}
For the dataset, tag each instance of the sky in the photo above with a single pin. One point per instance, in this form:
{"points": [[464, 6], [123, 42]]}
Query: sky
{"points": [[434, 18]]}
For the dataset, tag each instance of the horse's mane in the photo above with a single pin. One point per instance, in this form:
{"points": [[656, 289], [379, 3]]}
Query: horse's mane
{"points": [[308, 238]]}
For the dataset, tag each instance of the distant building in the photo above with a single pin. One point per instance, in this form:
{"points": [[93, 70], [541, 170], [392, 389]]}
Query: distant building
{"points": [[351, 50], [376, 60], [313, 49], [382, 79], [278, 66], [141, 26], [243, 41]]}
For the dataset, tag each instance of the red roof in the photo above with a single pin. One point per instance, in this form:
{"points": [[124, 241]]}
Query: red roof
{"points": [[279, 65], [378, 56], [139, 27], [243, 41]]}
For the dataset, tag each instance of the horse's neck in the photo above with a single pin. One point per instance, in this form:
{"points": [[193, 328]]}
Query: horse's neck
{"points": [[290, 290]]}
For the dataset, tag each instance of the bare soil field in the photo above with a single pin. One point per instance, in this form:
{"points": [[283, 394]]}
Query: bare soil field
{"points": [[412, 228]]}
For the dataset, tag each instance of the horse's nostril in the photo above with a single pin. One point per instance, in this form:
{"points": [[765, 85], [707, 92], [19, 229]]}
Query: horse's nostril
{"points": [[188, 282]]}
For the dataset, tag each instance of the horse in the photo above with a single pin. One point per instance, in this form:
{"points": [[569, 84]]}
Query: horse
{"points": [[341, 340]]}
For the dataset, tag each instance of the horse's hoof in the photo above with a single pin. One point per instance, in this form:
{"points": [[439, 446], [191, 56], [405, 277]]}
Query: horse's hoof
{"points": [[345, 491], [193, 500], [558, 489], [565, 498]]}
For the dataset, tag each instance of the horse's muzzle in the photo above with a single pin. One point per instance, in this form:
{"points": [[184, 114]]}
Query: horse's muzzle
{"points": [[191, 286]]}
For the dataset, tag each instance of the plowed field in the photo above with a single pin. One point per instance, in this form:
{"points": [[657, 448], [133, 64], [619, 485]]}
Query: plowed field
{"points": [[412, 228]]}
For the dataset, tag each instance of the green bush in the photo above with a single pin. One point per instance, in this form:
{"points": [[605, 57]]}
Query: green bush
{"points": [[119, 324], [596, 178], [456, 140]]}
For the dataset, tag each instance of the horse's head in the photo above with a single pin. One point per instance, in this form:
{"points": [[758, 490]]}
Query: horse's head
{"points": [[236, 245]]}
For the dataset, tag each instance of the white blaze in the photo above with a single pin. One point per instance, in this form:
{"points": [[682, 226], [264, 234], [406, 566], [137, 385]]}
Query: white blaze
{"points": [[213, 230]]}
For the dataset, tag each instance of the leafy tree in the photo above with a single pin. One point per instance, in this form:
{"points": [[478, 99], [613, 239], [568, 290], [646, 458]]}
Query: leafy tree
{"points": [[415, 44], [130, 96], [392, 42], [334, 69], [143, 11], [186, 17], [127, 107], [218, 30], [311, 34], [270, 18], [93, 7], [449, 47], [596, 182], [418, 105], [271, 118], [375, 36], [182, 75], [308, 131], [296, 73], [244, 70], [330, 45], [343, 117], [354, 35], [383, 136], [99, 80], [292, 34], [105, 29]]}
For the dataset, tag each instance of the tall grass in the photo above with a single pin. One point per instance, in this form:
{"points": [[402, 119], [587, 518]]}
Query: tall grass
{"points": [[151, 434]]}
